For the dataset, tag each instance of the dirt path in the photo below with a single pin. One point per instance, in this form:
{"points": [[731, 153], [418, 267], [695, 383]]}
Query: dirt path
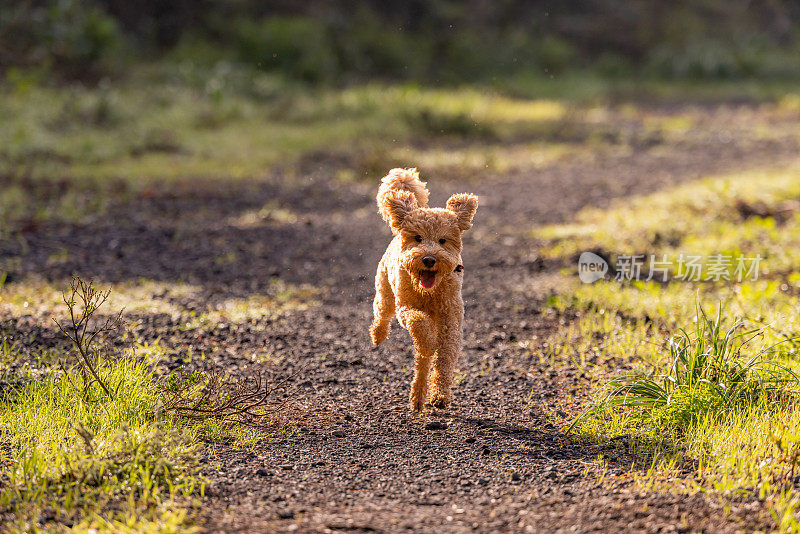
{"points": [[495, 461]]}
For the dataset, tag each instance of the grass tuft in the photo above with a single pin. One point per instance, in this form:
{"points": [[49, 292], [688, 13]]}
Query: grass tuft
{"points": [[712, 370]]}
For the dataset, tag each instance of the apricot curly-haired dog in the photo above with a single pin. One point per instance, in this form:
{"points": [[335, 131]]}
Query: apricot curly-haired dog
{"points": [[419, 280]]}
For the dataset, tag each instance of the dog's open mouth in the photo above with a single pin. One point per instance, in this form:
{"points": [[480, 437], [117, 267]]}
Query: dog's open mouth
{"points": [[427, 279]]}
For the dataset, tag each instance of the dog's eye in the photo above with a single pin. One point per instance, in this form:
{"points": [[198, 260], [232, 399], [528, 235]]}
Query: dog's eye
{"points": [[442, 241], [418, 238]]}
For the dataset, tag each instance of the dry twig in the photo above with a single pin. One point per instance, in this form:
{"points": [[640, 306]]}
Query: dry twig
{"points": [[211, 394], [82, 301]]}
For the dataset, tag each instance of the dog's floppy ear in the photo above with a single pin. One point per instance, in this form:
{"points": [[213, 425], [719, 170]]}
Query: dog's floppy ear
{"points": [[398, 207], [464, 206]]}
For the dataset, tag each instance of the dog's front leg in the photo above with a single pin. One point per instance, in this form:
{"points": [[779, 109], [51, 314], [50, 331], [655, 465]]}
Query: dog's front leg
{"points": [[382, 306], [423, 330], [444, 366]]}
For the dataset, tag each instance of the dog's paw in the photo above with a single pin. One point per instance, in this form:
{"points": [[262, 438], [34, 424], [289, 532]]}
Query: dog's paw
{"points": [[440, 402], [416, 403], [440, 399], [378, 332]]}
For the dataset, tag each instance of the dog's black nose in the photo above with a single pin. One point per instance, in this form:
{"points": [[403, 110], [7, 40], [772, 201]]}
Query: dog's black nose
{"points": [[428, 261]]}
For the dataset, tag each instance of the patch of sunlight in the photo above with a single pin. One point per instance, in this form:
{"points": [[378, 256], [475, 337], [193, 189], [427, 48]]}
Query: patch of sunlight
{"points": [[692, 214], [57, 438], [508, 110], [672, 124], [271, 212], [480, 105], [747, 451], [282, 298], [770, 303], [178, 131], [41, 298], [600, 339], [789, 103], [493, 158]]}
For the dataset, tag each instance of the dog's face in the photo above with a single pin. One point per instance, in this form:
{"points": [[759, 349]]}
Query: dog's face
{"points": [[431, 237]]}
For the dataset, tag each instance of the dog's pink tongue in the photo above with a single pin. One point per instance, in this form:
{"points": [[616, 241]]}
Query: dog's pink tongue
{"points": [[427, 279]]}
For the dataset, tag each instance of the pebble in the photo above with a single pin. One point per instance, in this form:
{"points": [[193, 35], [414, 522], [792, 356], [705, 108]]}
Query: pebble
{"points": [[436, 425], [285, 514], [338, 434]]}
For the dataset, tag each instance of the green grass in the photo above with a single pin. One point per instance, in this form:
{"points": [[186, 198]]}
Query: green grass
{"points": [[704, 218], [754, 211], [70, 152], [96, 462], [703, 401], [144, 130], [714, 393], [721, 402], [711, 370]]}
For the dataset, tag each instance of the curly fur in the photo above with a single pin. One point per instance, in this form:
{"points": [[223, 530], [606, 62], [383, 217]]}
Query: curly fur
{"points": [[418, 280], [396, 182]]}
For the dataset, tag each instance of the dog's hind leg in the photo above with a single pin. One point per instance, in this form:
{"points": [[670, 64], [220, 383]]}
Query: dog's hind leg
{"points": [[423, 330], [382, 307], [444, 366]]}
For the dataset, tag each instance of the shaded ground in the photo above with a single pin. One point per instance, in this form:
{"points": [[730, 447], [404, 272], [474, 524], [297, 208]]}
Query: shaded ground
{"points": [[496, 461]]}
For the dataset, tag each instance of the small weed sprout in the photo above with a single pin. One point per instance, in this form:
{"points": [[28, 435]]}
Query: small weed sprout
{"points": [[707, 374], [82, 301]]}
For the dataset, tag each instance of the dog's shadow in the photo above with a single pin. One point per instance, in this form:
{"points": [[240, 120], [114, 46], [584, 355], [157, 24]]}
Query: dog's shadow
{"points": [[546, 441]]}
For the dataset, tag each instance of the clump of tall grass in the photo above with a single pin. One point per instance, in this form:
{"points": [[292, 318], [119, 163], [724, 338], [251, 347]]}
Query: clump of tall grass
{"points": [[71, 457], [712, 370]]}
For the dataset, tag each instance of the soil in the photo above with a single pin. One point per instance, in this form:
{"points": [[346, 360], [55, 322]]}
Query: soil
{"points": [[499, 459]]}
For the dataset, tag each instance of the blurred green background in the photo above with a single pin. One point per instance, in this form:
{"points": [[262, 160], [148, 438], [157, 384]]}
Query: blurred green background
{"points": [[100, 100], [437, 41]]}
